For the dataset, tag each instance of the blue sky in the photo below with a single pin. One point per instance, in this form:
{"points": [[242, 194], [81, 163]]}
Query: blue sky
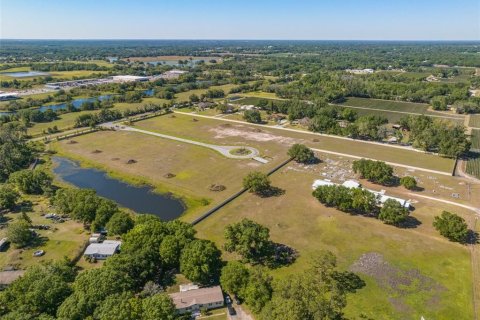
{"points": [[246, 19]]}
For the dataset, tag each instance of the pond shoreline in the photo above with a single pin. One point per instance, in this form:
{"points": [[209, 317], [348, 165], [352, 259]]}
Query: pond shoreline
{"points": [[165, 205]]}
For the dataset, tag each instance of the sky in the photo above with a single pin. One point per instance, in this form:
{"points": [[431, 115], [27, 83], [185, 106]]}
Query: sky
{"points": [[241, 19]]}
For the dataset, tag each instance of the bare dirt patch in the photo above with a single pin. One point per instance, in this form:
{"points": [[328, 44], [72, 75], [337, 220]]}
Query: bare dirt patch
{"points": [[253, 134]]}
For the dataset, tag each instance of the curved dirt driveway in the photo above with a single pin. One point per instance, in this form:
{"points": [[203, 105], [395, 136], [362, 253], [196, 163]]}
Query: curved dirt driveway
{"points": [[224, 150]]}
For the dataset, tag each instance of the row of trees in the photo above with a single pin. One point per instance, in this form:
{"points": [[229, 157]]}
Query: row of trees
{"points": [[436, 135], [361, 201]]}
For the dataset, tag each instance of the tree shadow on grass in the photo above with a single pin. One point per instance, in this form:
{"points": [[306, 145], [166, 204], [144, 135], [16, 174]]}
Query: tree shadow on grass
{"points": [[281, 255], [272, 192], [472, 237], [410, 223]]}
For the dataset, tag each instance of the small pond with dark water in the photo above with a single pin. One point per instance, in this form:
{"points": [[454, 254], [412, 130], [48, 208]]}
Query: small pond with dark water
{"points": [[139, 199]]}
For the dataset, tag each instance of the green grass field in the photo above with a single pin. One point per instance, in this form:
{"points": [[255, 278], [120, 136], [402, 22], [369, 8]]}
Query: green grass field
{"points": [[474, 120], [428, 275], [473, 165], [475, 138], [217, 131], [63, 239], [195, 168], [386, 105]]}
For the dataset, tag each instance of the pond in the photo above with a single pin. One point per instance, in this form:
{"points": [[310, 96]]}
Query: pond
{"points": [[138, 199], [25, 74], [77, 103]]}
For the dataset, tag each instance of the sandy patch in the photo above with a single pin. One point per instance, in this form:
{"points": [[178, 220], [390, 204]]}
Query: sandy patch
{"points": [[252, 134]]}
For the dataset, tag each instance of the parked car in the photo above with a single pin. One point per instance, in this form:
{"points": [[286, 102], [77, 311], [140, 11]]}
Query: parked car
{"points": [[38, 253], [227, 299], [231, 310]]}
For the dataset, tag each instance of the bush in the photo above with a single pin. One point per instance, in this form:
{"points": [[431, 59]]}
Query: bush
{"points": [[8, 197], [252, 116], [301, 153], [375, 171], [409, 182], [19, 233], [393, 212], [257, 182], [451, 226]]}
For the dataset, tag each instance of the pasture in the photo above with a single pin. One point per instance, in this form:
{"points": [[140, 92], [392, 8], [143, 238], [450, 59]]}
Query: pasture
{"points": [[409, 272], [474, 121], [189, 172], [218, 131]]}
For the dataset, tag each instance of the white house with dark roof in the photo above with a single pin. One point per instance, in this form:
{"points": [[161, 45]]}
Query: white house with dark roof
{"points": [[102, 251], [196, 299]]}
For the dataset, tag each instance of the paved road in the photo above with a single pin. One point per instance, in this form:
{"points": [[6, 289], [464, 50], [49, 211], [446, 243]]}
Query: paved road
{"points": [[224, 150]]}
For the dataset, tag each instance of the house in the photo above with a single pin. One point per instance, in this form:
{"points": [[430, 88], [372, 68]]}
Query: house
{"points": [[3, 243], [196, 299], [351, 184], [318, 183], [7, 277], [380, 196], [248, 107], [101, 251]]}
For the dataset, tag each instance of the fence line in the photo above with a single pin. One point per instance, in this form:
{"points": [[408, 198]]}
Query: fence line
{"points": [[234, 196]]}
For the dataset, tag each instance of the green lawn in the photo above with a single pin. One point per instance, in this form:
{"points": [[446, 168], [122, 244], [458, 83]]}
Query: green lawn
{"points": [[63, 239], [217, 131], [474, 120], [429, 276]]}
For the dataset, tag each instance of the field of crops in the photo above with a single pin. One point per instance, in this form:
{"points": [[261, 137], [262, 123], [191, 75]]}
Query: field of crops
{"points": [[473, 166], [386, 105], [475, 139], [474, 121]]}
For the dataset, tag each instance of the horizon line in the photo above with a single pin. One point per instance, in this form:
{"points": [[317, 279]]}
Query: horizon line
{"points": [[240, 39]]}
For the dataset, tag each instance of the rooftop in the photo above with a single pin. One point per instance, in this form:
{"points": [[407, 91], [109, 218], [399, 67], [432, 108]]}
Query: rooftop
{"points": [[107, 247], [202, 296]]}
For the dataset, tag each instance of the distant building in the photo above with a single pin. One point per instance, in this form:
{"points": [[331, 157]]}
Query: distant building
{"points": [[128, 78], [172, 74], [196, 299], [8, 96], [248, 107], [360, 71], [101, 251]]}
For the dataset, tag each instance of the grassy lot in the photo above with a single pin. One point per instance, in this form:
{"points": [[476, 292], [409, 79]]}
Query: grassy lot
{"points": [[217, 131], [184, 96], [195, 168], [63, 239], [424, 275], [474, 120], [475, 138], [386, 105], [473, 165]]}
